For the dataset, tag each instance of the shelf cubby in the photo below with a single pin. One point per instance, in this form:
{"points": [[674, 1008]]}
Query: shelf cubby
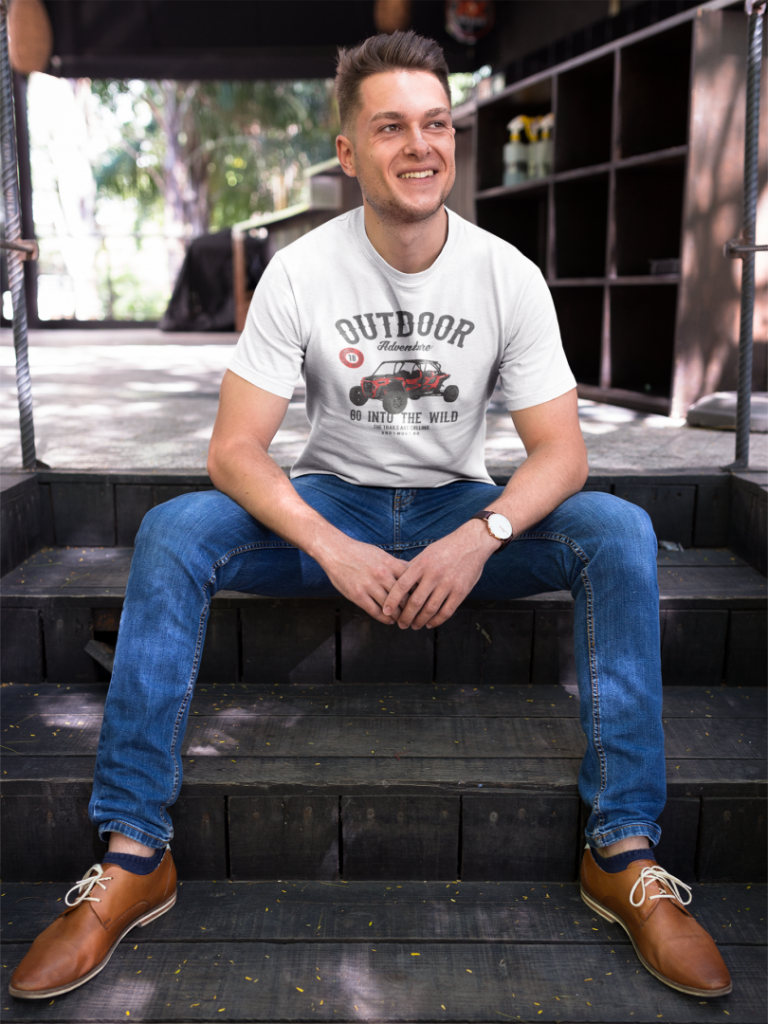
{"points": [[643, 338], [654, 90], [647, 166], [581, 226], [492, 120], [580, 314], [649, 210], [584, 105], [521, 219]]}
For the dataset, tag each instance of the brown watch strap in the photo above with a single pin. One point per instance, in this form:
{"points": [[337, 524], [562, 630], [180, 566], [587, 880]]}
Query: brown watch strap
{"points": [[485, 516]]}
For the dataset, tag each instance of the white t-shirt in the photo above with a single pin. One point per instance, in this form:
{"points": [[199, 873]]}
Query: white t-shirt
{"points": [[399, 368]]}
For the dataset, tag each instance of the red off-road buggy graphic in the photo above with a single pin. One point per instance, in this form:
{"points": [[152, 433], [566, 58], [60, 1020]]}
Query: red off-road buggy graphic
{"points": [[395, 381]]}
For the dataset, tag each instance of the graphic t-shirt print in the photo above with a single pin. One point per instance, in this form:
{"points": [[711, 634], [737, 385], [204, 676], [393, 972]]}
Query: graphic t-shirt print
{"points": [[397, 382]]}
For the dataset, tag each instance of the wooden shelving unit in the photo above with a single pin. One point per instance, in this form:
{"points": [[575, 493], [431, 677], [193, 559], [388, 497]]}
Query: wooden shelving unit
{"points": [[648, 161]]}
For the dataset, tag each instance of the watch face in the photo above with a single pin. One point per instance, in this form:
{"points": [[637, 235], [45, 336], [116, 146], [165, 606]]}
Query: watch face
{"points": [[500, 526]]}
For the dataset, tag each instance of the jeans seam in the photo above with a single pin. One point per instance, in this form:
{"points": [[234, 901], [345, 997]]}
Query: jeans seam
{"points": [[594, 684], [134, 828]]}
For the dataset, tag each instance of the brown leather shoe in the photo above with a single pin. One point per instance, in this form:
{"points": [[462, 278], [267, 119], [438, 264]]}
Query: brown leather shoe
{"points": [[645, 900], [78, 944]]}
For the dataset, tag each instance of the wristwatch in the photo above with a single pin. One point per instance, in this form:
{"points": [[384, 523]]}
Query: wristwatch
{"points": [[498, 525]]}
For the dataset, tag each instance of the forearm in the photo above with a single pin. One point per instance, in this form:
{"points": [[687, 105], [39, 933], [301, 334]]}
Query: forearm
{"points": [[550, 474], [246, 473]]}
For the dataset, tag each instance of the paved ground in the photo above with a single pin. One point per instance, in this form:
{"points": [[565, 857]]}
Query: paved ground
{"points": [[141, 399]]}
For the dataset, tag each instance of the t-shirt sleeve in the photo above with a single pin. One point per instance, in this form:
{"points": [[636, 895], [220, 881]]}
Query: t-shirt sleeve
{"points": [[270, 352], [533, 367]]}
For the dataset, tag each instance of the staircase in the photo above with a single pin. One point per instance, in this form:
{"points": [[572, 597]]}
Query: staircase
{"points": [[418, 863]]}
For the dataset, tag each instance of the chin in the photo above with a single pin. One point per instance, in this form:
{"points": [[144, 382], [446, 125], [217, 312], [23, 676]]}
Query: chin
{"points": [[394, 209]]}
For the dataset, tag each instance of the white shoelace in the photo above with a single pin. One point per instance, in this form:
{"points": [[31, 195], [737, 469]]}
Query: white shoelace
{"points": [[663, 878], [93, 876]]}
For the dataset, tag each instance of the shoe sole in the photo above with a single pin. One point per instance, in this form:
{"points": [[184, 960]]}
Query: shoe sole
{"points": [[140, 922], [707, 993]]}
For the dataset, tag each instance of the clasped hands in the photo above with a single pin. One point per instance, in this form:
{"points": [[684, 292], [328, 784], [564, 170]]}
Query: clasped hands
{"points": [[423, 592]]}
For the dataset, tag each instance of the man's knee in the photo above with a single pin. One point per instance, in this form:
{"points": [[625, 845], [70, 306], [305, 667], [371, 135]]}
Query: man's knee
{"points": [[620, 528], [183, 521]]}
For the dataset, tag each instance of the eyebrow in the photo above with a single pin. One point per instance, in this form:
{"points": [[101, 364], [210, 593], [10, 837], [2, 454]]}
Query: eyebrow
{"points": [[398, 115]]}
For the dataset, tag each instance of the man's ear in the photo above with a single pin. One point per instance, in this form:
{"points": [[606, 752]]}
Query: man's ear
{"points": [[346, 155]]}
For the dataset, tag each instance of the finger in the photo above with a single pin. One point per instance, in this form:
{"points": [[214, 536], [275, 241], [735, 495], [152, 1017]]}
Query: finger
{"points": [[447, 609], [421, 596], [430, 608], [400, 590]]}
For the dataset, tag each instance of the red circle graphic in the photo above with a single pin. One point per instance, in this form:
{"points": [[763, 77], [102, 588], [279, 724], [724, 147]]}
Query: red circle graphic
{"points": [[351, 357]]}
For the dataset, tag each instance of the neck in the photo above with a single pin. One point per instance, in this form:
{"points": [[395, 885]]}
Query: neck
{"points": [[409, 248]]}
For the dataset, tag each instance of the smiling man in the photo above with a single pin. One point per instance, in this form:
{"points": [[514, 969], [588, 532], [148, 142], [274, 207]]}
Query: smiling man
{"points": [[401, 317]]}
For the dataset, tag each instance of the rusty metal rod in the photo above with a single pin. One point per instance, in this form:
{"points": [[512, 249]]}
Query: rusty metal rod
{"points": [[15, 259]]}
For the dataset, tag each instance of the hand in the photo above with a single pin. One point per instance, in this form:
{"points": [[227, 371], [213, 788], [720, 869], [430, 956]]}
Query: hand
{"points": [[363, 573], [437, 580]]}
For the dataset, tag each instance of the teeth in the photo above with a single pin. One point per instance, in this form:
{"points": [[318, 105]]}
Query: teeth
{"points": [[417, 174]]}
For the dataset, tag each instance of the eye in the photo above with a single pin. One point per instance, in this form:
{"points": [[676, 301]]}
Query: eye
{"points": [[387, 127]]}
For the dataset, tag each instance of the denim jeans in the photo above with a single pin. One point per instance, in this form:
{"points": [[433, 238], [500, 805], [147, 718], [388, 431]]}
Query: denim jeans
{"points": [[598, 547]]}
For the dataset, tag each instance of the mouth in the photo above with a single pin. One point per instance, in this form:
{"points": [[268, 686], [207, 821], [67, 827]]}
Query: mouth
{"points": [[417, 174]]}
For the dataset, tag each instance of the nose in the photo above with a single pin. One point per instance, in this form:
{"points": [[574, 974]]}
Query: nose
{"points": [[416, 145]]}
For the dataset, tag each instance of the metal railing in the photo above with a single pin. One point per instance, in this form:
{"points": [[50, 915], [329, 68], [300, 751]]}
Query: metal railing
{"points": [[17, 249], [744, 248]]}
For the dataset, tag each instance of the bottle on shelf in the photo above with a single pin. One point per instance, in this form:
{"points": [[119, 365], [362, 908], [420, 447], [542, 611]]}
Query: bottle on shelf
{"points": [[532, 125], [545, 145], [516, 152]]}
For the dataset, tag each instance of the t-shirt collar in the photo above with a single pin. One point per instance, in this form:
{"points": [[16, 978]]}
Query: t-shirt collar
{"points": [[410, 280]]}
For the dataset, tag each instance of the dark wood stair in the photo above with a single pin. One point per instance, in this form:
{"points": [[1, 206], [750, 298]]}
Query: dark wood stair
{"points": [[416, 793]]}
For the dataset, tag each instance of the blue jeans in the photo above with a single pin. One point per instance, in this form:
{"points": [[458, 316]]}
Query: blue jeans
{"points": [[598, 547]]}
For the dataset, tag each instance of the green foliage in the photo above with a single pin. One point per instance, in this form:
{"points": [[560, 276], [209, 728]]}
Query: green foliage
{"points": [[224, 141]]}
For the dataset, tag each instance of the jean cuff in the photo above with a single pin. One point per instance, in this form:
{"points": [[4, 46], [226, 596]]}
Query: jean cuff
{"points": [[132, 832], [603, 839]]}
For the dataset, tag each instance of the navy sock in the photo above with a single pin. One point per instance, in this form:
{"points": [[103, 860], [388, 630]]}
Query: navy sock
{"points": [[136, 865], [619, 861]]}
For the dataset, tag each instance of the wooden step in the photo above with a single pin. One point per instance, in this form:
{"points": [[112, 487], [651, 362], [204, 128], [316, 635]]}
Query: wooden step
{"points": [[712, 616], [389, 951], [373, 781]]}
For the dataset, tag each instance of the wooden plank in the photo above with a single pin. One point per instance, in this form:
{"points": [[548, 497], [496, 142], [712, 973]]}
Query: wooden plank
{"points": [[374, 653], [66, 572], [220, 662], [724, 585], [133, 501], [66, 631], [289, 642], [83, 514], [400, 738], [700, 556], [670, 506], [711, 517], [486, 912], [679, 823], [733, 840], [269, 775], [21, 651], [747, 652], [397, 981], [400, 837], [53, 838], [19, 523], [289, 837], [480, 646], [748, 530], [515, 836], [554, 660], [199, 841], [693, 647], [47, 530], [376, 700]]}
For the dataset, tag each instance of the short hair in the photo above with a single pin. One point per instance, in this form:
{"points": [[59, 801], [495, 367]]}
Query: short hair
{"points": [[397, 51]]}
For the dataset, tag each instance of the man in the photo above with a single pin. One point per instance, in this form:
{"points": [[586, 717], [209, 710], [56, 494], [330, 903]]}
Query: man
{"points": [[396, 512]]}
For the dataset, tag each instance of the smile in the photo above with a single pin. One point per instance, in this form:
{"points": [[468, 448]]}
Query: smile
{"points": [[416, 174]]}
